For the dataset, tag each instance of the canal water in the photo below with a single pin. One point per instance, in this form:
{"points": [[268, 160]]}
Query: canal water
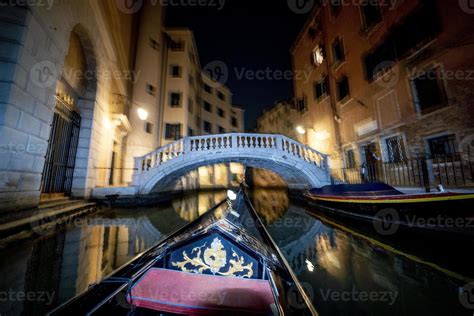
{"points": [[343, 270]]}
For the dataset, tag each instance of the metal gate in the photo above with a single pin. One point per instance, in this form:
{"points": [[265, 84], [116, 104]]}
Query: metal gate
{"points": [[62, 148]]}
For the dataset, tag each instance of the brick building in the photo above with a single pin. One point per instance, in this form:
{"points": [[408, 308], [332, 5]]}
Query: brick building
{"points": [[390, 81]]}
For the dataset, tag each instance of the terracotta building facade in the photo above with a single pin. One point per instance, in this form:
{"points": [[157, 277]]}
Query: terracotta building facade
{"points": [[390, 81]]}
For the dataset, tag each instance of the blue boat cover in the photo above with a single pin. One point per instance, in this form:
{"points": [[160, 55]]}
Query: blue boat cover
{"points": [[370, 189]]}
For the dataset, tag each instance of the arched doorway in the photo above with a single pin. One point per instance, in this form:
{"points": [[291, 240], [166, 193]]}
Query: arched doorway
{"points": [[76, 83]]}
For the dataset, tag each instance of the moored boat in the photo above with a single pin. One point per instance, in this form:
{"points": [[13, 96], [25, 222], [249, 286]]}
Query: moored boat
{"points": [[225, 262], [386, 207]]}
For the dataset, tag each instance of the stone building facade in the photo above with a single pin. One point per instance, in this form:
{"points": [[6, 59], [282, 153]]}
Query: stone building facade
{"points": [[71, 59], [280, 119], [219, 114], [83, 90], [389, 81]]}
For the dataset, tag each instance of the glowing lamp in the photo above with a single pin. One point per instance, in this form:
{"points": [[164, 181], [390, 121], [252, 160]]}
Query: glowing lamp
{"points": [[231, 195], [301, 130], [142, 114]]}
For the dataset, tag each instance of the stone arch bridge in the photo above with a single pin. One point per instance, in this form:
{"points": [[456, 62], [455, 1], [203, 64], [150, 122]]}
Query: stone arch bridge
{"points": [[300, 166]]}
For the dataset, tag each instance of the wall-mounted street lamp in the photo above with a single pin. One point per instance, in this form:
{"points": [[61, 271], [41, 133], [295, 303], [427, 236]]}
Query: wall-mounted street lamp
{"points": [[321, 136], [142, 114], [301, 130]]}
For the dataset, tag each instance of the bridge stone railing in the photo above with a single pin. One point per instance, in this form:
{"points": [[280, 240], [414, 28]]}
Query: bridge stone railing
{"points": [[233, 142]]}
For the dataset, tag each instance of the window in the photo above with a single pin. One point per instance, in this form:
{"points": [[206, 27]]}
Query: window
{"points": [[208, 88], [443, 146], [234, 122], [318, 55], [428, 91], [221, 96], [173, 131], [150, 89], [301, 105], [371, 15], [350, 159], [154, 44], [207, 127], [175, 71], [221, 130], [177, 46], [338, 51], [191, 80], [415, 31], [336, 8], [221, 112], [395, 149], [383, 55], [148, 128], [321, 89], [343, 90], [190, 131], [175, 101], [207, 107]]}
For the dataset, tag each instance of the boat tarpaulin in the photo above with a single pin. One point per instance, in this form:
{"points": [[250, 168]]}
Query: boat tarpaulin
{"points": [[370, 189], [199, 294]]}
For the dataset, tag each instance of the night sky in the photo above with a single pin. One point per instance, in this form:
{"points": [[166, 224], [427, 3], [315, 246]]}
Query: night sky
{"points": [[251, 35]]}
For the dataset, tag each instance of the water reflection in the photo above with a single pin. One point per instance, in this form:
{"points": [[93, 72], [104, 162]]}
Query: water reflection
{"points": [[60, 266], [348, 275], [343, 273]]}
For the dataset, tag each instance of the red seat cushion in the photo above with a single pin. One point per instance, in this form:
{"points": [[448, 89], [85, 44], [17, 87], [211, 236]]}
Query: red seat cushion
{"points": [[197, 294]]}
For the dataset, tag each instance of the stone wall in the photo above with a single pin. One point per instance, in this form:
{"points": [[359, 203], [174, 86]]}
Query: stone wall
{"points": [[34, 42]]}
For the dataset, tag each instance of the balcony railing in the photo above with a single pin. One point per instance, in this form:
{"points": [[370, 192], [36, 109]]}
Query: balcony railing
{"points": [[451, 171]]}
